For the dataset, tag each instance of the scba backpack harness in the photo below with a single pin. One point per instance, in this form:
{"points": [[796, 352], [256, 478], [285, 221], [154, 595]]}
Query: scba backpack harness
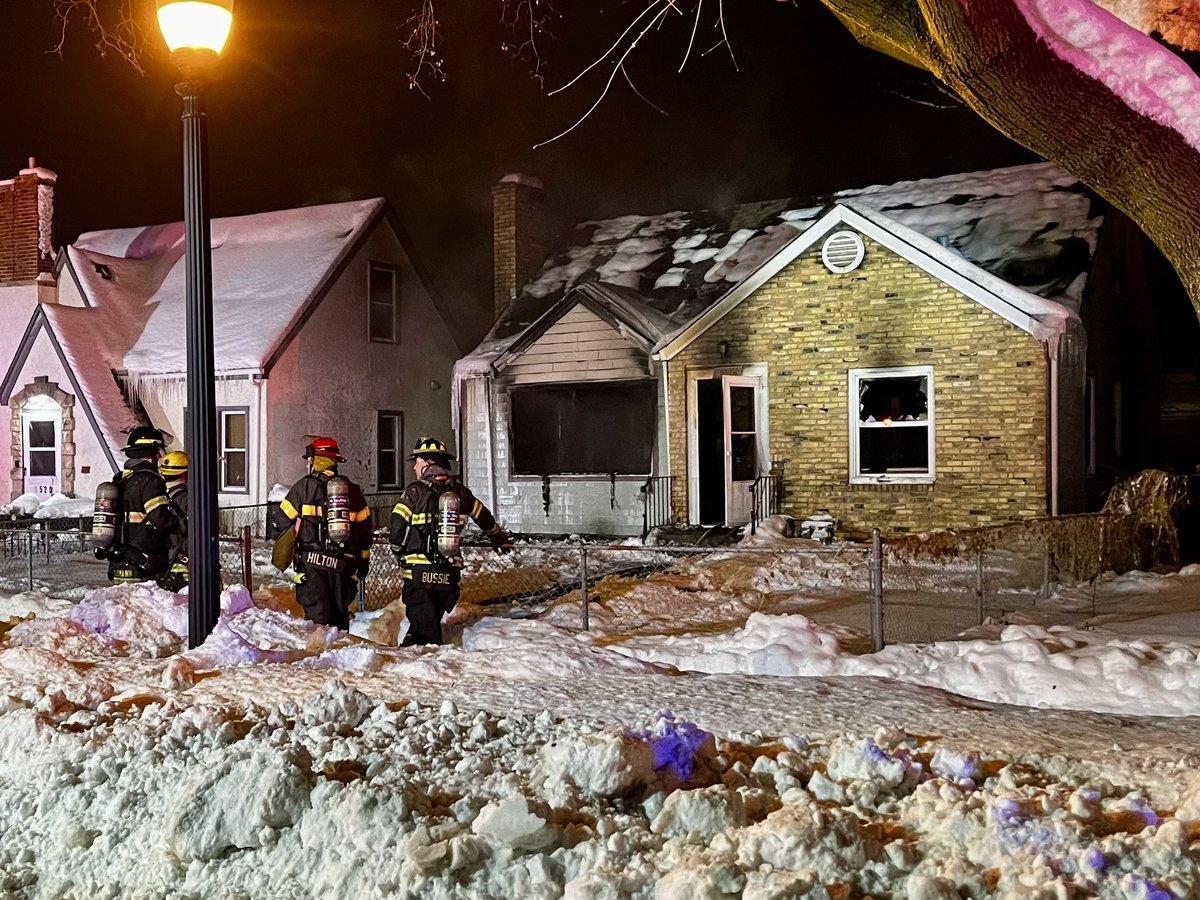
{"points": [[443, 541]]}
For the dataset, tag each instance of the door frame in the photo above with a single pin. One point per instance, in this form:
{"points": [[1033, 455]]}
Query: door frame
{"points": [[763, 424], [42, 408]]}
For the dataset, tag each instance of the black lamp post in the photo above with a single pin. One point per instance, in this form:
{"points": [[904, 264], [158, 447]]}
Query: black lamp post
{"points": [[195, 31]]}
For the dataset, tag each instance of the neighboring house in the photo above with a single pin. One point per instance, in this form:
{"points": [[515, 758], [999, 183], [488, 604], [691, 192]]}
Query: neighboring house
{"points": [[906, 356], [323, 324]]}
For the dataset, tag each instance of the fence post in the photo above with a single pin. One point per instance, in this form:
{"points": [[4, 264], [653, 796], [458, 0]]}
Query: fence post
{"points": [[247, 560], [979, 587], [1046, 569], [29, 551], [876, 590], [583, 583]]}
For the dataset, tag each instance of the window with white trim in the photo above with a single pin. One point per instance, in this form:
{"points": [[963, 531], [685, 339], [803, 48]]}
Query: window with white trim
{"points": [[892, 425], [389, 439], [382, 302], [234, 444]]}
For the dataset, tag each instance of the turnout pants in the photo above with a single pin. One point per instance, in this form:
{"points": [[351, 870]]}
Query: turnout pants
{"points": [[326, 596], [425, 609]]}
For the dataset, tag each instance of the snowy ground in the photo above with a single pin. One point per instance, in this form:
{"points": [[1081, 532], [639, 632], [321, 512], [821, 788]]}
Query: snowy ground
{"points": [[739, 743]]}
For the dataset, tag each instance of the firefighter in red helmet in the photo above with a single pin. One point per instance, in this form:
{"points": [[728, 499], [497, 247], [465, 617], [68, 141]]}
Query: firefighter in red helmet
{"points": [[424, 536], [328, 569]]}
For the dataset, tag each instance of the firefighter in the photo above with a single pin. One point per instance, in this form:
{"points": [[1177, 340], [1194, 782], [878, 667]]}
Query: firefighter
{"points": [[174, 469], [431, 574], [145, 520], [327, 571]]}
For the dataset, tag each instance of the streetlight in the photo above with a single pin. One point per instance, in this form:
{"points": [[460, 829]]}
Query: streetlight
{"points": [[195, 32]]}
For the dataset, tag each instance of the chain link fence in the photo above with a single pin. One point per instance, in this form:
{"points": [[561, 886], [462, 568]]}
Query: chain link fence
{"points": [[59, 561], [913, 589]]}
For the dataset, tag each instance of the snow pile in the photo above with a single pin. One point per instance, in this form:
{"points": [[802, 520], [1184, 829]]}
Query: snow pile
{"points": [[60, 506], [341, 795], [56, 506]]}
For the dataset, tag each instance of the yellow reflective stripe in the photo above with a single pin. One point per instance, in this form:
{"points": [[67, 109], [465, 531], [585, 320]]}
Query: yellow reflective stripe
{"points": [[495, 528], [366, 554], [361, 516], [288, 509], [421, 519], [134, 517], [402, 511], [476, 509], [154, 503], [309, 510], [417, 559]]}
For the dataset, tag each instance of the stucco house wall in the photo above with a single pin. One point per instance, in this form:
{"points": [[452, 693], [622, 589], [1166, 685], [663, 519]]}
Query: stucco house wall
{"points": [[331, 379], [810, 327]]}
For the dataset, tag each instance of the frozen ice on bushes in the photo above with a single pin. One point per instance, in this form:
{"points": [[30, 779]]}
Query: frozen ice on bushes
{"points": [[60, 506], [355, 658], [227, 807], [278, 493], [25, 504]]}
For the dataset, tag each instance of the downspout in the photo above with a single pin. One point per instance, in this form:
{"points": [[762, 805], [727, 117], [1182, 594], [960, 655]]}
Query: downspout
{"points": [[666, 381], [491, 459], [263, 491], [1054, 376]]}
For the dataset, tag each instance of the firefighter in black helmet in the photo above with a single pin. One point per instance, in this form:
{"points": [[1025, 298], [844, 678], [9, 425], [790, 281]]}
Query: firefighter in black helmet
{"points": [[432, 566], [145, 519], [327, 571]]}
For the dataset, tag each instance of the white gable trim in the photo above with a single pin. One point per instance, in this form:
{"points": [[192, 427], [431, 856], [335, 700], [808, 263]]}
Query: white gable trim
{"points": [[37, 324], [925, 254]]}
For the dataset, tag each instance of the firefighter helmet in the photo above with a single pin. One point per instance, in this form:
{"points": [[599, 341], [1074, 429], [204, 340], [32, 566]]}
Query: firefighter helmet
{"points": [[324, 446], [173, 465], [432, 448], [145, 440]]}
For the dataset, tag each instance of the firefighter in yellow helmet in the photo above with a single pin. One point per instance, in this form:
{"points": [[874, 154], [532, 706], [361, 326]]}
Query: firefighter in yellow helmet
{"points": [[327, 571], [419, 531], [174, 469]]}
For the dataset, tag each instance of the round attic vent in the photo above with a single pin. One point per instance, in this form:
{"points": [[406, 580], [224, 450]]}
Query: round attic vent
{"points": [[842, 252]]}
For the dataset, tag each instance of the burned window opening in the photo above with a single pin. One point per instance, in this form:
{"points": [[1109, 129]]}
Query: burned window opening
{"points": [[590, 428]]}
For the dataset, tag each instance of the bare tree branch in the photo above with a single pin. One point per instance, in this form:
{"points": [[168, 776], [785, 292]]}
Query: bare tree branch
{"points": [[116, 26]]}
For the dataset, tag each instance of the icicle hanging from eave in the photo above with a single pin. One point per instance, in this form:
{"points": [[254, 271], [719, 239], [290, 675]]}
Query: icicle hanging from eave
{"points": [[166, 390]]}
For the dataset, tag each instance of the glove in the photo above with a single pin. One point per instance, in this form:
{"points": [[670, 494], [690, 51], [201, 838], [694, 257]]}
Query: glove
{"points": [[502, 542], [299, 577], [100, 553]]}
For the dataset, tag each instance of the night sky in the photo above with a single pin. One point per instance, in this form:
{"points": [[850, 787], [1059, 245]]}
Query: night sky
{"points": [[313, 106]]}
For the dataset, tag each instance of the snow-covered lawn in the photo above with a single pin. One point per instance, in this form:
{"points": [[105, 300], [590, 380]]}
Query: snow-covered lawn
{"points": [[731, 746]]}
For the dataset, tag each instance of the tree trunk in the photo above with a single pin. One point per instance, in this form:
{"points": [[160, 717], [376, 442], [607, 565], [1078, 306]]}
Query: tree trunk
{"points": [[986, 52]]}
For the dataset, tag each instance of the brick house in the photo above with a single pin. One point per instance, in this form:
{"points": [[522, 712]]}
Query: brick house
{"points": [[324, 323], [909, 356]]}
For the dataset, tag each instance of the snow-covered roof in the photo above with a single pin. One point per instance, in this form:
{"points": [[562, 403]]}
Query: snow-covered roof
{"points": [[266, 269], [1033, 227]]}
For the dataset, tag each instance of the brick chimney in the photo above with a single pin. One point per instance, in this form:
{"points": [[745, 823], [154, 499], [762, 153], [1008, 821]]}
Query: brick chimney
{"points": [[27, 226], [518, 236]]}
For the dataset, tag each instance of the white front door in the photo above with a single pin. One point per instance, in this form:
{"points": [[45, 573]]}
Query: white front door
{"points": [[42, 447], [742, 445]]}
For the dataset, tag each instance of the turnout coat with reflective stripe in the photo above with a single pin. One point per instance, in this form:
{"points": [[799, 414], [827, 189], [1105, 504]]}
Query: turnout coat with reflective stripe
{"points": [[306, 502], [148, 520], [414, 520]]}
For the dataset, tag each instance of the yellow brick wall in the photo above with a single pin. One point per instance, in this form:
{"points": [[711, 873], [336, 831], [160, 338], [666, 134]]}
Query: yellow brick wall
{"points": [[811, 327]]}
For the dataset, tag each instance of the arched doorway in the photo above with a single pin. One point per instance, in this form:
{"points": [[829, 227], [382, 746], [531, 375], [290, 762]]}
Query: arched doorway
{"points": [[41, 446], [43, 428]]}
